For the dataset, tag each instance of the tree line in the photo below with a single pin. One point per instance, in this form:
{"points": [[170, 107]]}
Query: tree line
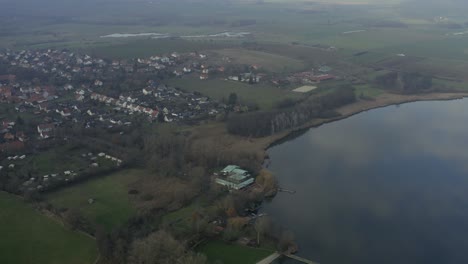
{"points": [[260, 124], [404, 82]]}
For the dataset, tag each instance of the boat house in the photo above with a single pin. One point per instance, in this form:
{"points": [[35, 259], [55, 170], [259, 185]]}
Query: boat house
{"points": [[234, 177]]}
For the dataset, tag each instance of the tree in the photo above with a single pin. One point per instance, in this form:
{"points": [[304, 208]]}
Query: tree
{"points": [[262, 226], [75, 219], [162, 248], [161, 118], [104, 243], [19, 121], [286, 241], [232, 99]]}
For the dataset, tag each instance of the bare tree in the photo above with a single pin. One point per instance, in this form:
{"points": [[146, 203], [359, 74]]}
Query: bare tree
{"points": [[262, 226], [161, 248]]}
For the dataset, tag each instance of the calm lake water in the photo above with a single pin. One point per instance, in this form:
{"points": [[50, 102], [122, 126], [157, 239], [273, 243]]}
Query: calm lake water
{"points": [[385, 186]]}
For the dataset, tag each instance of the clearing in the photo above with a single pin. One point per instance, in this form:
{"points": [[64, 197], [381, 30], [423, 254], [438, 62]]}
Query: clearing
{"points": [[112, 205]]}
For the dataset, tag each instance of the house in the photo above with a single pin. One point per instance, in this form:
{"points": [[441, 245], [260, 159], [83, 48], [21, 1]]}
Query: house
{"points": [[5, 92], [68, 87], [8, 137], [322, 77], [98, 83], [324, 69], [14, 146], [44, 107], [65, 112], [9, 77], [234, 177], [21, 136], [79, 97], [147, 91], [45, 130]]}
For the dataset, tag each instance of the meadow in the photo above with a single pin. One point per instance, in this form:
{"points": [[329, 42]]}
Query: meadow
{"points": [[265, 96], [266, 61], [29, 237], [219, 251], [112, 205]]}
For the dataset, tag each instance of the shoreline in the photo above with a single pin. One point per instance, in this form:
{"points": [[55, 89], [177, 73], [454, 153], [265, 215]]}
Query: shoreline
{"points": [[358, 107], [350, 110]]}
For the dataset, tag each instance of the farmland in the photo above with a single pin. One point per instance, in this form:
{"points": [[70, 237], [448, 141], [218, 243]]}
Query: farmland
{"points": [[29, 237]]}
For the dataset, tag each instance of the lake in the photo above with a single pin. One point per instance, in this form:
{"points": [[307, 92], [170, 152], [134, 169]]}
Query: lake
{"points": [[385, 186]]}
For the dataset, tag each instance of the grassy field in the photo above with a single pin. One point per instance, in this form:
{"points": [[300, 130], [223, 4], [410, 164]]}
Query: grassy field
{"points": [[180, 220], [112, 206], [267, 61], [147, 47], [265, 96], [367, 91], [58, 160], [232, 254], [29, 237]]}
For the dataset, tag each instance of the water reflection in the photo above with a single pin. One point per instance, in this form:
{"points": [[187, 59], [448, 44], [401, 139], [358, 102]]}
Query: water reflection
{"points": [[385, 186]]}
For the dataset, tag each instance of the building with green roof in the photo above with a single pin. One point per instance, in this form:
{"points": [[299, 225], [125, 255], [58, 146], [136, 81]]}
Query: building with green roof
{"points": [[234, 177]]}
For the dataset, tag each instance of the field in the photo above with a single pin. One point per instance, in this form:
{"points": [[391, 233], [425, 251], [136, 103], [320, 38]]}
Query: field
{"points": [[58, 160], [146, 47], [112, 206], [218, 251], [264, 96], [304, 89], [367, 91], [29, 237], [268, 61]]}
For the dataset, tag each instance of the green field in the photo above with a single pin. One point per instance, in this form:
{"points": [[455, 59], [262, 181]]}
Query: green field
{"points": [[29, 237], [263, 95], [232, 254], [267, 61], [367, 91], [146, 47], [112, 206]]}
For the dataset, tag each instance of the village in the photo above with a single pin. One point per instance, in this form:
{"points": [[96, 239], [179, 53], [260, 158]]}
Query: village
{"points": [[67, 117], [62, 86]]}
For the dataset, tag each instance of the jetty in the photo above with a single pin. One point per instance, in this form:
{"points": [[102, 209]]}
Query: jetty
{"points": [[270, 259], [286, 190], [303, 260]]}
